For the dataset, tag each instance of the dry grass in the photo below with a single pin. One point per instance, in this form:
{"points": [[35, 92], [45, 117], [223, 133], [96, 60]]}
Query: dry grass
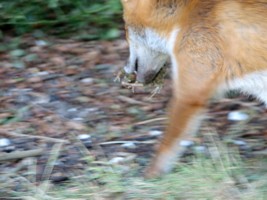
{"points": [[222, 177]]}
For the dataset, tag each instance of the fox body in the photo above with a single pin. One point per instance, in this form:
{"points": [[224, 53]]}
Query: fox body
{"points": [[213, 45]]}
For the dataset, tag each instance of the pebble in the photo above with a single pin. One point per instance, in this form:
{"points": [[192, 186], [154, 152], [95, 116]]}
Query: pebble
{"points": [[155, 133], [87, 80], [116, 160], [72, 110], [77, 119], [4, 142], [237, 116], [41, 43], [42, 73], [129, 145], [186, 143], [84, 136], [239, 142]]}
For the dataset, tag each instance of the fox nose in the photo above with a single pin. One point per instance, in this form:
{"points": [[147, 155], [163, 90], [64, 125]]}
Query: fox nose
{"points": [[136, 65], [131, 66]]}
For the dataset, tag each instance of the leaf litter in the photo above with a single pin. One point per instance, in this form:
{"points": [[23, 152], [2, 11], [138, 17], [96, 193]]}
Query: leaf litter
{"points": [[57, 96]]}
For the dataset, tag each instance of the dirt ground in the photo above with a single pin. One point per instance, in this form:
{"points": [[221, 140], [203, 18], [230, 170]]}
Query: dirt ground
{"points": [[59, 96]]}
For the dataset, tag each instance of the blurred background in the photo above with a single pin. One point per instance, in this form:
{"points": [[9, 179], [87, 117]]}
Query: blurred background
{"points": [[87, 19], [69, 131]]}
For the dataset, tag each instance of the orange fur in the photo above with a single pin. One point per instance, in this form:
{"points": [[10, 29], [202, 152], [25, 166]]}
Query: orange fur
{"points": [[218, 41]]}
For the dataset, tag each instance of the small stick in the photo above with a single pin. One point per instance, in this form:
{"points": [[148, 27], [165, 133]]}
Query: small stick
{"points": [[151, 121], [123, 142], [33, 136], [20, 154], [132, 84], [130, 100]]}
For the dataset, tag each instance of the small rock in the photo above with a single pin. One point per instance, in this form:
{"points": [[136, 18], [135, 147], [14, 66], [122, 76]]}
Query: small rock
{"points": [[129, 145], [78, 119], [84, 136], [155, 133], [72, 110], [116, 160], [41, 43], [186, 143], [43, 73], [87, 80], [239, 142], [4, 142], [237, 116]]}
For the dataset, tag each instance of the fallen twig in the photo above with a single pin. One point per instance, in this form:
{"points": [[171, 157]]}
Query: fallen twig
{"points": [[33, 136], [20, 154], [124, 142], [151, 121], [131, 85], [130, 100]]}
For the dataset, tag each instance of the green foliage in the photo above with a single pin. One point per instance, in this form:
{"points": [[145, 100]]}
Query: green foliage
{"points": [[89, 18]]}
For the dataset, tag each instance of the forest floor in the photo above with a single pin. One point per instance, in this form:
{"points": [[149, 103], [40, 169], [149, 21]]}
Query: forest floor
{"points": [[63, 117]]}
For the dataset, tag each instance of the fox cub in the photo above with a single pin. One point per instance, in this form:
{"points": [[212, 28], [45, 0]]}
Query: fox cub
{"points": [[213, 45]]}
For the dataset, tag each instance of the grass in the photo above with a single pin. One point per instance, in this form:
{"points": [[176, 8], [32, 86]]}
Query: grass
{"points": [[86, 19], [224, 176]]}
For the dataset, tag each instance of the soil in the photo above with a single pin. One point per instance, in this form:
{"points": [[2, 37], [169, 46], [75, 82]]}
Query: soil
{"points": [[59, 97]]}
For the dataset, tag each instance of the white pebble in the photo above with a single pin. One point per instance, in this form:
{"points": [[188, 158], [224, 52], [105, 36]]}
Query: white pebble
{"points": [[84, 136], [40, 43], [43, 73], [77, 119], [155, 133], [186, 143], [4, 142], [116, 160], [239, 142], [72, 110], [129, 145], [237, 116], [87, 80]]}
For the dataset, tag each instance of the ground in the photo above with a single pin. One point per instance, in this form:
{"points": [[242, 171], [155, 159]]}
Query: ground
{"points": [[59, 102]]}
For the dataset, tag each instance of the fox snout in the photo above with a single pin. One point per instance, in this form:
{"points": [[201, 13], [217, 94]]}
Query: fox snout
{"points": [[145, 63], [142, 76]]}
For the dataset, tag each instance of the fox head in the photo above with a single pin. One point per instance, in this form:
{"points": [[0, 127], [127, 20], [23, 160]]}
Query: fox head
{"points": [[147, 25]]}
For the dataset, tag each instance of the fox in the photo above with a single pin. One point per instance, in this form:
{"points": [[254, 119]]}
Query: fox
{"points": [[213, 46]]}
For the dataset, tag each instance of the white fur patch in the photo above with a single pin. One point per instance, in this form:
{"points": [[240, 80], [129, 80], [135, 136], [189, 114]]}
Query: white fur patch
{"points": [[171, 46], [254, 83], [150, 38]]}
